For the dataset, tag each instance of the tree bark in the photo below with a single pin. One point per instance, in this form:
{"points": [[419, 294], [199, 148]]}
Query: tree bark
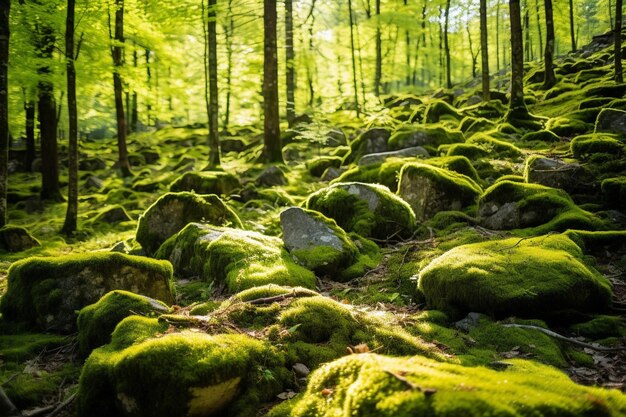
{"points": [[71, 215], [229, 29], [572, 29], [549, 77], [134, 113], [356, 90], [31, 153], [471, 48], [539, 28], [498, 35], [517, 106], [484, 50], [5, 9], [527, 44], [619, 76], [50, 189], [214, 141], [117, 54], [290, 73], [379, 52], [611, 15], [272, 148], [407, 42]]}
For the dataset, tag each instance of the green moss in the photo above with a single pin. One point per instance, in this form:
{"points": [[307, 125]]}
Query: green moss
{"points": [[564, 126], [525, 277], [370, 141], [45, 292], [614, 192], [439, 109], [213, 182], [585, 146], [542, 136], [466, 149], [97, 321], [317, 166], [234, 258], [16, 239], [601, 327], [459, 164], [19, 347], [172, 211], [409, 136], [374, 385], [495, 146], [613, 240], [367, 209]]}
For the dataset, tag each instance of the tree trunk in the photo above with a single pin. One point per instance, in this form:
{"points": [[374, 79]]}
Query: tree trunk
{"points": [[527, 43], [50, 189], [539, 28], [117, 54], [71, 216], [290, 73], [572, 29], [272, 148], [517, 106], [134, 114], [356, 90], [471, 48], [484, 51], [228, 28], [5, 8], [214, 141], [498, 35], [619, 76], [31, 153], [407, 42], [611, 15], [149, 82], [379, 52], [549, 78]]}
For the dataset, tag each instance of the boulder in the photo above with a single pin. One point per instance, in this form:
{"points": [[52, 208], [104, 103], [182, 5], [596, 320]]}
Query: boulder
{"points": [[317, 166], [211, 182], [378, 158], [270, 177], [16, 239], [571, 177], [114, 214], [611, 121], [429, 190], [424, 136], [91, 164], [371, 141], [46, 292], [232, 145], [315, 241], [533, 278], [233, 259], [370, 210], [384, 386], [173, 211], [94, 182], [331, 173]]}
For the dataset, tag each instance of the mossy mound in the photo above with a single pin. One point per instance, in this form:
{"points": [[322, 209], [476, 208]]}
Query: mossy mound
{"points": [[429, 189], [533, 278], [541, 136], [317, 166], [495, 146], [408, 137], [439, 109], [112, 215], [97, 321], [565, 126], [585, 146], [375, 385], [367, 209], [571, 177], [16, 239], [614, 192], [513, 205], [144, 372], [233, 258], [46, 292], [371, 141], [468, 150], [213, 182], [172, 211]]}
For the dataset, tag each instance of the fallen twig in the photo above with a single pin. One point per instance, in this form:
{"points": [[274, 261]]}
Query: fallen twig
{"points": [[566, 339], [7, 408], [282, 297], [426, 391], [61, 406]]}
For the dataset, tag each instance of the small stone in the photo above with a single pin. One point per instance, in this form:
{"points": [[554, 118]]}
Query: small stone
{"points": [[301, 370], [16, 239], [377, 158], [271, 176]]}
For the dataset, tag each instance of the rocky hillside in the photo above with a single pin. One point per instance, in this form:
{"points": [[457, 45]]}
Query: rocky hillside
{"points": [[433, 259]]}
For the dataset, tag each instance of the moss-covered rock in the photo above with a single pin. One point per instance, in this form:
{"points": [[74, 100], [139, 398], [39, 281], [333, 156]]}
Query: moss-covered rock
{"points": [[317, 166], [367, 209], [429, 189], [112, 215], [375, 385], [171, 212], [439, 109], [565, 126], [97, 321], [513, 205], [46, 292], [571, 177], [233, 258], [614, 192], [411, 136], [468, 150], [213, 182], [378, 158], [495, 146], [541, 135], [585, 146], [612, 121], [270, 177], [532, 278], [16, 239], [371, 141], [144, 372]]}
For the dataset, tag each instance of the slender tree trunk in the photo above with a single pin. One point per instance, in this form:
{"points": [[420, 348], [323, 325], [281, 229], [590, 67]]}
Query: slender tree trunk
{"points": [[442, 61], [5, 9], [527, 43], [356, 90], [31, 153], [407, 43], [214, 142], [205, 59], [149, 83], [471, 48], [272, 148], [498, 35], [611, 15], [539, 28], [484, 50], [71, 215], [134, 114], [517, 106], [117, 52], [290, 73], [572, 29], [379, 52], [619, 76], [549, 78], [50, 189], [229, 29]]}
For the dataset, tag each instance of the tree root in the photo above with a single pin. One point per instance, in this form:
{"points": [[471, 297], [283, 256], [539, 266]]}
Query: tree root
{"points": [[567, 339]]}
